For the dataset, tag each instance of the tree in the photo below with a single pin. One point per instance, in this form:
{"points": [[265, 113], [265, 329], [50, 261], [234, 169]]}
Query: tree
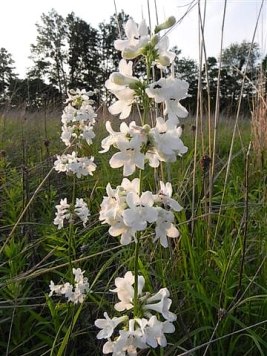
{"points": [[49, 53], [34, 93], [6, 72], [238, 54], [83, 54]]}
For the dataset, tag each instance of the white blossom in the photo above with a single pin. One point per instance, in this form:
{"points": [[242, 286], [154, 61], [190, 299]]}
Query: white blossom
{"points": [[137, 37], [108, 325], [165, 227], [75, 294], [71, 163], [67, 212]]}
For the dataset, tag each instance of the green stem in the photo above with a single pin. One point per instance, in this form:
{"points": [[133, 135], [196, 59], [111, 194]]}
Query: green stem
{"points": [[136, 257]]}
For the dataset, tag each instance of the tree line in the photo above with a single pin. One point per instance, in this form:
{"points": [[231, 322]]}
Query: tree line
{"points": [[69, 53]]}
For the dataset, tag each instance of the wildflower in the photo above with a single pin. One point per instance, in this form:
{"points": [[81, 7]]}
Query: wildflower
{"points": [[166, 142], [108, 325], [75, 294], [156, 330], [125, 291], [165, 227], [163, 304], [164, 197], [62, 213], [170, 90], [129, 156], [71, 163], [81, 210], [164, 57], [136, 332], [140, 211], [67, 212], [118, 84], [125, 134], [137, 38]]}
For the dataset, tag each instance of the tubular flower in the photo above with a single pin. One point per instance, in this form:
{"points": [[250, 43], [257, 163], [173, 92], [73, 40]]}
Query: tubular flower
{"points": [[67, 212], [138, 332], [78, 118], [118, 84], [129, 141], [127, 211], [166, 144], [137, 38], [72, 164], [75, 294], [170, 90]]}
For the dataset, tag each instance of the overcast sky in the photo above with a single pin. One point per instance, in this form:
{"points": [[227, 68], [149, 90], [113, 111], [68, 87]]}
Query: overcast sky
{"points": [[18, 19]]}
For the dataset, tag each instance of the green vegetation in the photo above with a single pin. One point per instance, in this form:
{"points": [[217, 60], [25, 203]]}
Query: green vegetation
{"points": [[215, 271]]}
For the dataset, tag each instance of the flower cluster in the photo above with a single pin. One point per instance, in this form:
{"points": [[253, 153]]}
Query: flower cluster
{"points": [[75, 294], [68, 212], [141, 144], [78, 120], [72, 164], [138, 332], [127, 211]]}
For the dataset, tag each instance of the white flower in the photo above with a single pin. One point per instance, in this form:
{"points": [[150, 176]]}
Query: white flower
{"points": [[140, 211], [118, 228], [164, 197], [123, 105], [71, 163], [62, 213], [138, 332], [108, 325], [80, 289], [131, 186], [170, 90], [81, 210], [164, 227], [166, 140], [137, 37], [55, 288], [165, 57], [130, 156], [155, 332], [167, 89], [67, 134], [68, 115], [125, 290], [112, 205], [118, 84], [76, 97], [163, 304], [87, 134]]}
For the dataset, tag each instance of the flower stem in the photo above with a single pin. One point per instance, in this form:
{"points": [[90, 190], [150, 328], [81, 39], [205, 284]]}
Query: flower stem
{"points": [[136, 257]]}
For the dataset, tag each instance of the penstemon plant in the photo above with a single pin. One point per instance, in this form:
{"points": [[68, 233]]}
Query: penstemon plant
{"points": [[129, 210]]}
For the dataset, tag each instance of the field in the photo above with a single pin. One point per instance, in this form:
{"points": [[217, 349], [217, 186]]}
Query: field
{"points": [[215, 270]]}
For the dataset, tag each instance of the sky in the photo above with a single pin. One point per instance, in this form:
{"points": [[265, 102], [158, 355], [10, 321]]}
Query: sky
{"points": [[18, 20]]}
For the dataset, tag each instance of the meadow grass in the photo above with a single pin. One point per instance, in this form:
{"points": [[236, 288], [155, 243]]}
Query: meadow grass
{"points": [[215, 271]]}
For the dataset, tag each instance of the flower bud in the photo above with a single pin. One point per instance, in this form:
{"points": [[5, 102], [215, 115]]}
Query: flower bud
{"points": [[167, 24], [120, 79], [155, 40]]}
